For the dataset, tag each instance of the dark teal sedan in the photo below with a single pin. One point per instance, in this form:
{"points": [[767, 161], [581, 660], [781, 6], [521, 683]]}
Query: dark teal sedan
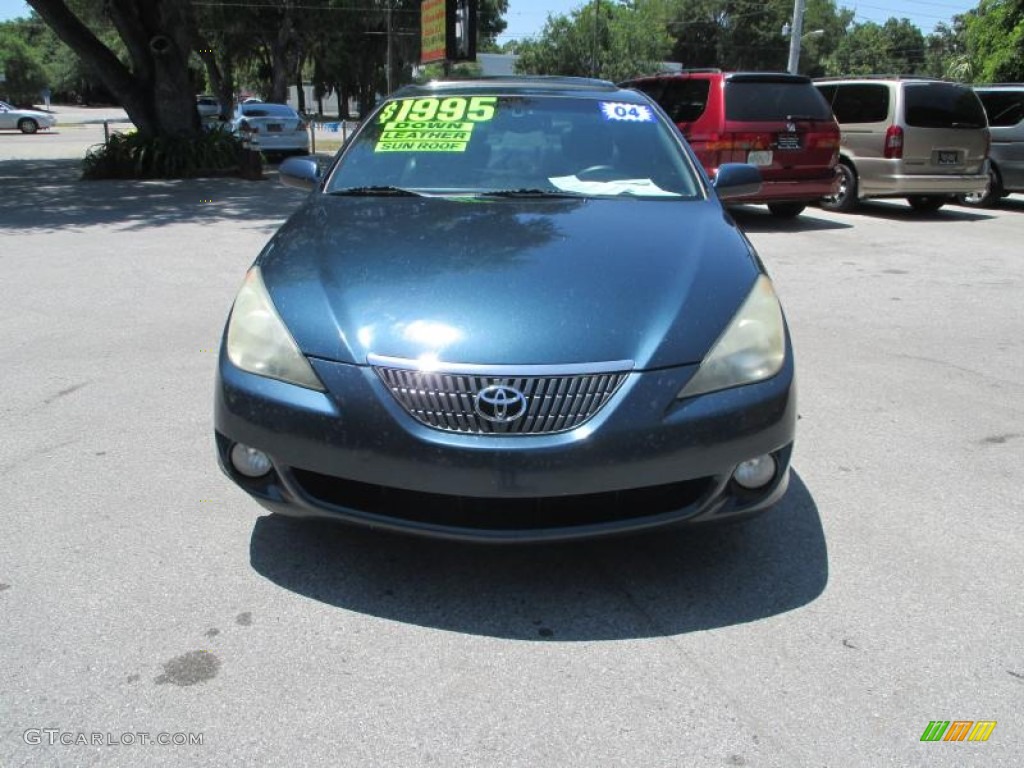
{"points": [[509, 310]]}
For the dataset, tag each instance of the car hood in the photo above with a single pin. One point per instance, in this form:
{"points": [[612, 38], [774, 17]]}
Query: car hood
{"points": [[508, 281]]}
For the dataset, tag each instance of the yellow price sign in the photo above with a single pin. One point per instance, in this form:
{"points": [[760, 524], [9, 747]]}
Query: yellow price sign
{"points": [[432, 124], [477, 109]]}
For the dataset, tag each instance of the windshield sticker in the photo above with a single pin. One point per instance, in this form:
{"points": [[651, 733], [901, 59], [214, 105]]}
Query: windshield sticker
{"points": [[642, 187], [432, 125], [636, 113]]}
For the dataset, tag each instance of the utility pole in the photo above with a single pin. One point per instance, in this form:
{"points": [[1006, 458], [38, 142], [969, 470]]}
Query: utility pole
{"points": [[389, 48], [597, 15], [795, 33]]}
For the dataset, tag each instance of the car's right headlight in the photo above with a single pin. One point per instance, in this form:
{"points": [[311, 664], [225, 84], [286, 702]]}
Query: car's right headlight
{"points": [[259, 342], [752, 348]]}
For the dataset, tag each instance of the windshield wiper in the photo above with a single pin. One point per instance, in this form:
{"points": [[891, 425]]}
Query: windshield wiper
{"points": [[809, 118], [527, 193], [373, 191], [964, 125]]}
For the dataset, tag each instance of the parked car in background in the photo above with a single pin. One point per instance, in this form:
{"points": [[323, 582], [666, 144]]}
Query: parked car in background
{"points": [[484, 323], [923, 139], [1004, 105], [775, 121], [208, 107], [276, 129], [24, 120]]}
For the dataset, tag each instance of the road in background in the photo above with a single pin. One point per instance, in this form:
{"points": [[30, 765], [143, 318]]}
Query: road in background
{"points": [[142, 592], [77, 129]]}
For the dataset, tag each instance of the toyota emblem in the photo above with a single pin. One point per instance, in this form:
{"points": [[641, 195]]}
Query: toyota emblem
{"points": [[500, 403]]}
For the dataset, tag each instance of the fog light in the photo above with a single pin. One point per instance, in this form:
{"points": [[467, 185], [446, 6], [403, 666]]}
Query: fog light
{"points": [[755, 473], [249, 461]]}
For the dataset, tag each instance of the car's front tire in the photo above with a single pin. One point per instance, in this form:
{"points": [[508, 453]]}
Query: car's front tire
{"points": [[28, 125], [990, 197], [786, 210], [927, 203], [845, 200]]}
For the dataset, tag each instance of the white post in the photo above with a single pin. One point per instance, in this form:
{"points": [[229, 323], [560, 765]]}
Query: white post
{"points": [[795, 32]]}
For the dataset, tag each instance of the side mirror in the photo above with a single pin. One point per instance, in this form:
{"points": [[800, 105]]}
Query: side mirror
{"points": [[300, 173], [736, 180]]}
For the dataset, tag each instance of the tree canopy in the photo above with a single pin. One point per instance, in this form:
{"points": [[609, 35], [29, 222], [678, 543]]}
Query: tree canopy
{"points": [[152, 56], [985, 44], [994, 36]]}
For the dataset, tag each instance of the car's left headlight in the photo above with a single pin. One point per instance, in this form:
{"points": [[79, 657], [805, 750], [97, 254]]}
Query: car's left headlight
{"points": [[753, 347], [259, 342]]}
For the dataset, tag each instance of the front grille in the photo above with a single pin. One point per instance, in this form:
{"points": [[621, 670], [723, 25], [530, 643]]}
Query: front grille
{"points": [[448, 400], [503, 514]]}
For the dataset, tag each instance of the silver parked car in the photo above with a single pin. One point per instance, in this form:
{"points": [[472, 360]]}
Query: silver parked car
{"points": [[24, 120], [272, 128], [1004, 104], [918, 138]]}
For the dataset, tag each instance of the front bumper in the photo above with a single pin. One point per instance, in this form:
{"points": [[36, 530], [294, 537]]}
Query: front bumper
{"points": [[645, 460]]}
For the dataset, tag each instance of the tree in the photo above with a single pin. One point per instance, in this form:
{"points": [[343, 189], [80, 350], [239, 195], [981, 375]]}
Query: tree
{"points": [[751, 34], [894, 48], [609, 39], [490, 22], [945, 51], [24, 73], [995, 41], [155, 88]]}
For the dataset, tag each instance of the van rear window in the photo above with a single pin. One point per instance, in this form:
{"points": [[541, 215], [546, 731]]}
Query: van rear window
{"points": [[753, 101], [943, 105], [1004, 108]]}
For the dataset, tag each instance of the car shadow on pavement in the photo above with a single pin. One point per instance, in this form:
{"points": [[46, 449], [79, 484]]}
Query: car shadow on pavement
{"points": [[1011, 203], [659, 584], [760, 219], [48, 196], [899, 210]]}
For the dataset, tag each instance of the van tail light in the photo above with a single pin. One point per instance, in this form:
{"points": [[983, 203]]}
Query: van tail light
{"points": [[738, 141], [894, 143]]}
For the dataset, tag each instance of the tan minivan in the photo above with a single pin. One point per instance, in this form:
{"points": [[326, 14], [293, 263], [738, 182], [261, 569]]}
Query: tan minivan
{"points": [[922, 139]]}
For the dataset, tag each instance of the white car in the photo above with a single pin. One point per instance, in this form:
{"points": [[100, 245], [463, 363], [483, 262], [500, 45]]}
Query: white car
{"points": [[272, 128], [208, 107], [25, 120]]}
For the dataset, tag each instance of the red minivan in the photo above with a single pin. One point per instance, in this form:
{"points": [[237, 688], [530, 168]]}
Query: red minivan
{"points": [[773, 120]]}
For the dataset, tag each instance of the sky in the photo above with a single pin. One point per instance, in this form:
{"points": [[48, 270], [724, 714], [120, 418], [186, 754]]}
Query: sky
{"points": [[526, 17]]}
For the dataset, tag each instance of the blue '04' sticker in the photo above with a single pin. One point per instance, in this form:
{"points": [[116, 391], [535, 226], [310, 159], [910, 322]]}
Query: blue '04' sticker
{"points": [[637, 113]]}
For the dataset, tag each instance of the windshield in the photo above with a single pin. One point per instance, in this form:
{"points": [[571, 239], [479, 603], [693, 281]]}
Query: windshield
{"points": [[516, 146]]}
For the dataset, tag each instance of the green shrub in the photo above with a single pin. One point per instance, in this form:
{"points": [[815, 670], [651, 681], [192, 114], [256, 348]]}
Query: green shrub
{"points": [[129, 156]]}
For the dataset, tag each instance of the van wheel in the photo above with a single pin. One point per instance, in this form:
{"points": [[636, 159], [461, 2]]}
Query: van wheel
{"points": [[786, 210], [990, 197], [845, 200], [927, 203]]}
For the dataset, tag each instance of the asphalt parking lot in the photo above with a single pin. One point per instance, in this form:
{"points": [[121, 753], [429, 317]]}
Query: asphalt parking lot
{"points": [[142, 594]]}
